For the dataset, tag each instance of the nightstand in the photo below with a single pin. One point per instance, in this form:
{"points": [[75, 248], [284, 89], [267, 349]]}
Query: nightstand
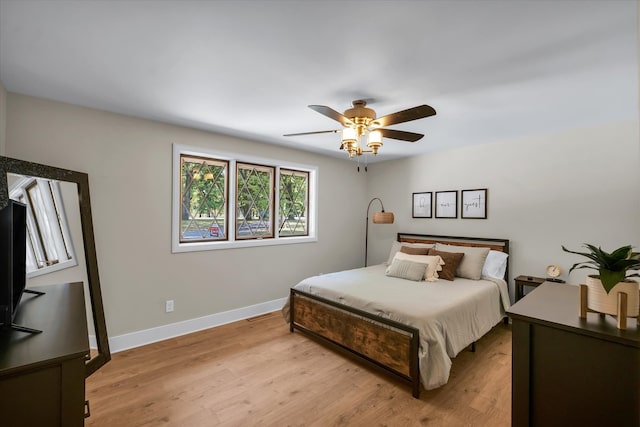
{"points": [[522, 281]]}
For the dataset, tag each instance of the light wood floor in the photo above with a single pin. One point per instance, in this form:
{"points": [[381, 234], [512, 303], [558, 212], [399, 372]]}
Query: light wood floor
{"points": [[256, 373]]}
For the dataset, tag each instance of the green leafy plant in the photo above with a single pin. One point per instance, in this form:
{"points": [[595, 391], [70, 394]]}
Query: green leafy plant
{"points": [[612, 267]]}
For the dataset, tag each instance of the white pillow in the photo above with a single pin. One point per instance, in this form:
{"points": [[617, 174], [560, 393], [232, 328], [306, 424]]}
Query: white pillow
{"points": [[495, 265], [404, 269], [396, 246], [434, 264], [470, 266]]}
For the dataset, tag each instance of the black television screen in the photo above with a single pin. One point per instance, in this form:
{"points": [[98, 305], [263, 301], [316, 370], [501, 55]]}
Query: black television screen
{"points": [[13, 245]]}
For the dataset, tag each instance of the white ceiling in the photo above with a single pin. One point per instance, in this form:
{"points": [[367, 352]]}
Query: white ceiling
{"points": [[493, 70]]}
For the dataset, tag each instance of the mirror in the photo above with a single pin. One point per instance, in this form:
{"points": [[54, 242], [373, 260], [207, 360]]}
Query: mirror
{"points": [[67, 261]]}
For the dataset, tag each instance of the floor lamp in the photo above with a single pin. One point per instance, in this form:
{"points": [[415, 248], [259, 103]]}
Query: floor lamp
{"points": [[378, 218]]}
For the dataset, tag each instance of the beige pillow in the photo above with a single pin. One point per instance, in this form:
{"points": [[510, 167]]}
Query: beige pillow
{"points": [[396, 246], [406, 269], [471, 264], [418, 245], [433, 263]]}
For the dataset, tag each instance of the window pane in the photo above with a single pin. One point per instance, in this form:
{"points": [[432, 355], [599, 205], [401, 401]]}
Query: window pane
{"points": [[254, 201], [49, 245], [294, 202], [32, 254], [203, 198], [57, 207], [43, 223], [47, 241]]}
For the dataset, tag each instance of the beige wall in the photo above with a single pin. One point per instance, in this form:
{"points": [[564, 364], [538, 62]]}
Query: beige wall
{"points": [[129, 165], [566, 188], [559, 189]]}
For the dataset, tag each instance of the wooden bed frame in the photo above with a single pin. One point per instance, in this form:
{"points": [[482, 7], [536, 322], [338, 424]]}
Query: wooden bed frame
{"points": [[385, 343]]}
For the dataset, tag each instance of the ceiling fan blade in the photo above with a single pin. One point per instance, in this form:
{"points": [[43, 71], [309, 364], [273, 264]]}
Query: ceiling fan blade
{"points": [[332, 114], [311, 133], [407, 115], [400, 134]]}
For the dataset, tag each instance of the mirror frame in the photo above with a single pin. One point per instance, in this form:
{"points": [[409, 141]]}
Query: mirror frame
{"points": [[21, 167]]}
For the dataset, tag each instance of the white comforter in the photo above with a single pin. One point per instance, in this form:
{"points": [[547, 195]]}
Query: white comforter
{"points": [[450, 315]]}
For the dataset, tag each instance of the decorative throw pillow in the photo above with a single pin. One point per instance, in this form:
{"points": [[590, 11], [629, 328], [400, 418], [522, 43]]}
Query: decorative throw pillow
{"points": [[495, 265], [406, 269], [396, 246], [470, 266], [451, 261], [433, 263], [414, 251]]}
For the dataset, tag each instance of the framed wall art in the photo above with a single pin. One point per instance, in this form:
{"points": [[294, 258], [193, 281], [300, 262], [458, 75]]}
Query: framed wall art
{"points": [[474, 204], [446, 204], [421, 207]]}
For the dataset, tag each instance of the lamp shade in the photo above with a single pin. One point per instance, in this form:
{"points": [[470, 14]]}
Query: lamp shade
{"points": [[349, 135], [383, 218], [375, 138]]}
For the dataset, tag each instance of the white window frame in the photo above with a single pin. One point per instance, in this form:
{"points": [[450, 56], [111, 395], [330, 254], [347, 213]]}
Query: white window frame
{"points": [[61, 234], [232, 158]]}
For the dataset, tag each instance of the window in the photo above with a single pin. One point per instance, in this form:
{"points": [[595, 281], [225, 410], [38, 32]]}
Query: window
{"points": [[225, 200], [293, 202], [49, 246], [203, 199], [254, 201]]}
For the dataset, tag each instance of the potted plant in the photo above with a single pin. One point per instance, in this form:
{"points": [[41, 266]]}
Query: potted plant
{"points": [[614, 273]]}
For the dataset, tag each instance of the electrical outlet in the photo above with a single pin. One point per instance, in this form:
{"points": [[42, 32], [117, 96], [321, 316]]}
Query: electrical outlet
{"points": [[168, 306]]}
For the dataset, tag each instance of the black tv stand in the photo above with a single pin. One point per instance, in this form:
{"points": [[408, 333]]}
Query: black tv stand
{"points": [[20, 328], [14, 327]]}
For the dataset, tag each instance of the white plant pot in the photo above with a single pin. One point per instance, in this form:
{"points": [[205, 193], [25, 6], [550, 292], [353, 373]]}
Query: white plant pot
{"points": [[601, 301]]}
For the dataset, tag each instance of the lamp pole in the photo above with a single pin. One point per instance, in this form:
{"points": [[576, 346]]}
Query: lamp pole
{"points": [[366, 238]]}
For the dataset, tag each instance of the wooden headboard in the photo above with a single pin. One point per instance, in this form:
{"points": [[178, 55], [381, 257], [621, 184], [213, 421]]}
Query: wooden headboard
{"points": [[501, 245]]}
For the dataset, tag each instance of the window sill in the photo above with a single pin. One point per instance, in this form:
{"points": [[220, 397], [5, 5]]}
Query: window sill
{"points": [[52, 268], [211, 246]]}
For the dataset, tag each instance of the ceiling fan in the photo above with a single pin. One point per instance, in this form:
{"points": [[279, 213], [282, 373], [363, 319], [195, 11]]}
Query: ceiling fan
{"points": [[361, 120]]}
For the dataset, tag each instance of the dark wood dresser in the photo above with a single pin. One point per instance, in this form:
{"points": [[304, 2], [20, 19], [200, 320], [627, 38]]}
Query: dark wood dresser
{"points": [[569, 371], [42, 375]]}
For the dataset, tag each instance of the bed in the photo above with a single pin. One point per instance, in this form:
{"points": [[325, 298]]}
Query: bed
{"points": [[410, 328]]}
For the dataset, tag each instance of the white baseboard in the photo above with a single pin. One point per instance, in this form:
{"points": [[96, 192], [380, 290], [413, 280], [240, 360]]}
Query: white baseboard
{"points": [[160, 333]]}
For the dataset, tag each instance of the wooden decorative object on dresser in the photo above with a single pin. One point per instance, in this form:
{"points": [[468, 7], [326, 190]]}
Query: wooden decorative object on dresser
{"points": [[42, 375], [572, 371]]}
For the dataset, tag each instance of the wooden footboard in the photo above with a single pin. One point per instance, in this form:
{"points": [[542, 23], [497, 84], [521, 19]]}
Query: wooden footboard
{"points": [[390, 345]]}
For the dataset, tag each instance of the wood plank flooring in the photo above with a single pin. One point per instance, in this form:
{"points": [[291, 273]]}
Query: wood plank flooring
{"points": [[256, 373]]}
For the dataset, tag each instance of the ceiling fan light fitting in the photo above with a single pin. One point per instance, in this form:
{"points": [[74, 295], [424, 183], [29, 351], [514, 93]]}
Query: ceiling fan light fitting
{"points": [[349, 136], [352, 149], [374, 141]]}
